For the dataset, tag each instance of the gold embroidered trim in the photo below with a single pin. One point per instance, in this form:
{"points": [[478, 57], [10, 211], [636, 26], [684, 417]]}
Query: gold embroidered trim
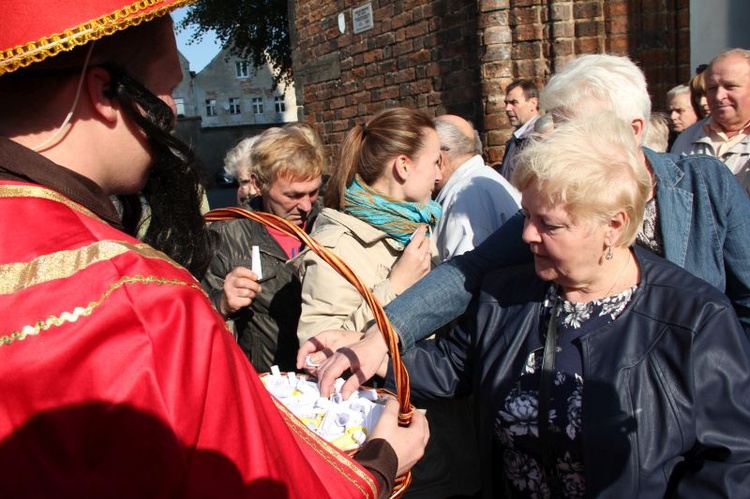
{"points": [[18, 276], [49, 46], [78, 312], [35, 191], [334, 457]]}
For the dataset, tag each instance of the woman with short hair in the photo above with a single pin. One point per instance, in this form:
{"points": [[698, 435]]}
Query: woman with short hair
{"points": [[602, 370]]}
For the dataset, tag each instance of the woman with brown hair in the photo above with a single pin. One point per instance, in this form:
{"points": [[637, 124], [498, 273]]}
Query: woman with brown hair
{"points": [[377, 216], [698, 95]]}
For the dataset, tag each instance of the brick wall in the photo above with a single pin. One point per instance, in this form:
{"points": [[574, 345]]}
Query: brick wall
{"points": [[457, 56], [419, 53]]}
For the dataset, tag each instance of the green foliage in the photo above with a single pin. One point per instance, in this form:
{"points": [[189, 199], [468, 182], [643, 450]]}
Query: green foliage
{"points": [[254, 30]]}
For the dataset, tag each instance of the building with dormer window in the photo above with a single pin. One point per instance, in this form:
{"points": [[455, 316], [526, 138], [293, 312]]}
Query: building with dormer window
{"points": [[225, 102]]}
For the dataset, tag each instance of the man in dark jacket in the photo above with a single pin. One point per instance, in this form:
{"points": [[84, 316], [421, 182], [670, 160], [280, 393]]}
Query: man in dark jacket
{"points": [[262, 297]]}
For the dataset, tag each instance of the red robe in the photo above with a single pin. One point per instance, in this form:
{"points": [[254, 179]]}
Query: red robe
{"points": [[117, 378]]}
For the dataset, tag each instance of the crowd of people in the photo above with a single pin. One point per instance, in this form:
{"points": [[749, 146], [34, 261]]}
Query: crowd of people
{"points": [[575, 319], [578, 372]]}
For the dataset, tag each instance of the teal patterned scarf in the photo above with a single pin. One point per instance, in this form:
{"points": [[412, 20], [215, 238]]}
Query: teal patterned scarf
{"points": [[398, 219]]}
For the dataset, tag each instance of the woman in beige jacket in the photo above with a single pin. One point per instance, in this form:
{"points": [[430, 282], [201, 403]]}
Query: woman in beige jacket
{"points": [[377, 218], [377, 215]]}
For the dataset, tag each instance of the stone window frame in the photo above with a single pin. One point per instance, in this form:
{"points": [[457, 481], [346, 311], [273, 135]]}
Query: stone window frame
{"points": [[257, 105], [279, 104], [234, 105], [242, 69], [211, 109]]}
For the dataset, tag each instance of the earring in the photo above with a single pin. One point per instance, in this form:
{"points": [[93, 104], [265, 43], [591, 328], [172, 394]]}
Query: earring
{"points": [[608, 254]]}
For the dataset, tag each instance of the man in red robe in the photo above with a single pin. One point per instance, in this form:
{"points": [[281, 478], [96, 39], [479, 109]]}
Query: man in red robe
{"points": [[117, 378]]}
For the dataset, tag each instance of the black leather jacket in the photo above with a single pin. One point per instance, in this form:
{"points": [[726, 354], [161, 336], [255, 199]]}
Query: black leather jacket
{"points": [[267, 329], [666, 401]]}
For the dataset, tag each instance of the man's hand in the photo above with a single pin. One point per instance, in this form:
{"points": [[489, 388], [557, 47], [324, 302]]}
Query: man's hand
{"points": [[240, 289], [409, 442], [336, 351]]}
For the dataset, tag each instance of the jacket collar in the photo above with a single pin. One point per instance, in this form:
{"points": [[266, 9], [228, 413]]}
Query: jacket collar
{"points": [[631, 352], [22, 164], [673, 204], [664, 167], [363, 231], [465, 170]]}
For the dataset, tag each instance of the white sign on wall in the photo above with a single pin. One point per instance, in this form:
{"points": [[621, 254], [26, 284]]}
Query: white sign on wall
{"points": [[362, 18]]}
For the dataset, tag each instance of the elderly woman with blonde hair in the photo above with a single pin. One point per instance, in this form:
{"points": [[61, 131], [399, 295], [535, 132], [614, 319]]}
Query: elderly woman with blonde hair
{"points": [[601, 370]]}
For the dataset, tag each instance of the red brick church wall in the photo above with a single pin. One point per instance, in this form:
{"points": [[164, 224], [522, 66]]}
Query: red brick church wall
{"points": [[457, 56]]}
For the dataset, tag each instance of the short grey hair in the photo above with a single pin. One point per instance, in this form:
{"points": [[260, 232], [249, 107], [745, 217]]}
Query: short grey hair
{"points": [[678, 90], [614, 81], [455, 140], [239, 156], [730, 53], [544, 124], [591, 183]]}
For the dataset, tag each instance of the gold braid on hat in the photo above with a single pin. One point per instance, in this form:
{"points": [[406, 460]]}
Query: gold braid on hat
{"points": [[24, 55]]}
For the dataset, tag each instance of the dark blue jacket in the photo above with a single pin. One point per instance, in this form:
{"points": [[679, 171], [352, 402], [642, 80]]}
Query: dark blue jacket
{"points": [[666, 401]]}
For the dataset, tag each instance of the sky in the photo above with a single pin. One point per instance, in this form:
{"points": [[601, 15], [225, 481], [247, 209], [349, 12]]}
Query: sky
{"points": [[198, 54]]}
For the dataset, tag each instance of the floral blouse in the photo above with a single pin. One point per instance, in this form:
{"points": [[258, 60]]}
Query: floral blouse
{"points": [[516, 432]]}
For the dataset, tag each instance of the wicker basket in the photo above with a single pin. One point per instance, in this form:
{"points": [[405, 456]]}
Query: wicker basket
{"points": [[403, 394]]}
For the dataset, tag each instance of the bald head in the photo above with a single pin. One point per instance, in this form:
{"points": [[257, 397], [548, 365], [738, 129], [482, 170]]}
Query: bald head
{"points": [[459, 142], [457, 136], [461, 124]]}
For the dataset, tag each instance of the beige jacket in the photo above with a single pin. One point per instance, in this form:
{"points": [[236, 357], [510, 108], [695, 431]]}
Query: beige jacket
{"points": [[328, 300]]}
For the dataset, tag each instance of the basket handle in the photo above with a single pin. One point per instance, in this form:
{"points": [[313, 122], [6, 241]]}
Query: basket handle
{"points": [[403, 392]]}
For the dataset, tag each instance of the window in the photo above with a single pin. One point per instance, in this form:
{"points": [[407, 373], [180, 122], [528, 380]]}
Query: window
{"points": [[210, 107], [242, 69], [257, 105], [180, 105], [234, 105], [278, 103]]}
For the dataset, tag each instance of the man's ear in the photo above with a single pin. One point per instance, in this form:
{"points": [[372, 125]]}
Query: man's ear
{"points": [[637, 125], [535, 102], [97, 88]]}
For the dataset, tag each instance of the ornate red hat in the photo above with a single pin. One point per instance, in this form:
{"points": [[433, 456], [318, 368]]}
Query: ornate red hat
{"points": [[33, 30]]}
